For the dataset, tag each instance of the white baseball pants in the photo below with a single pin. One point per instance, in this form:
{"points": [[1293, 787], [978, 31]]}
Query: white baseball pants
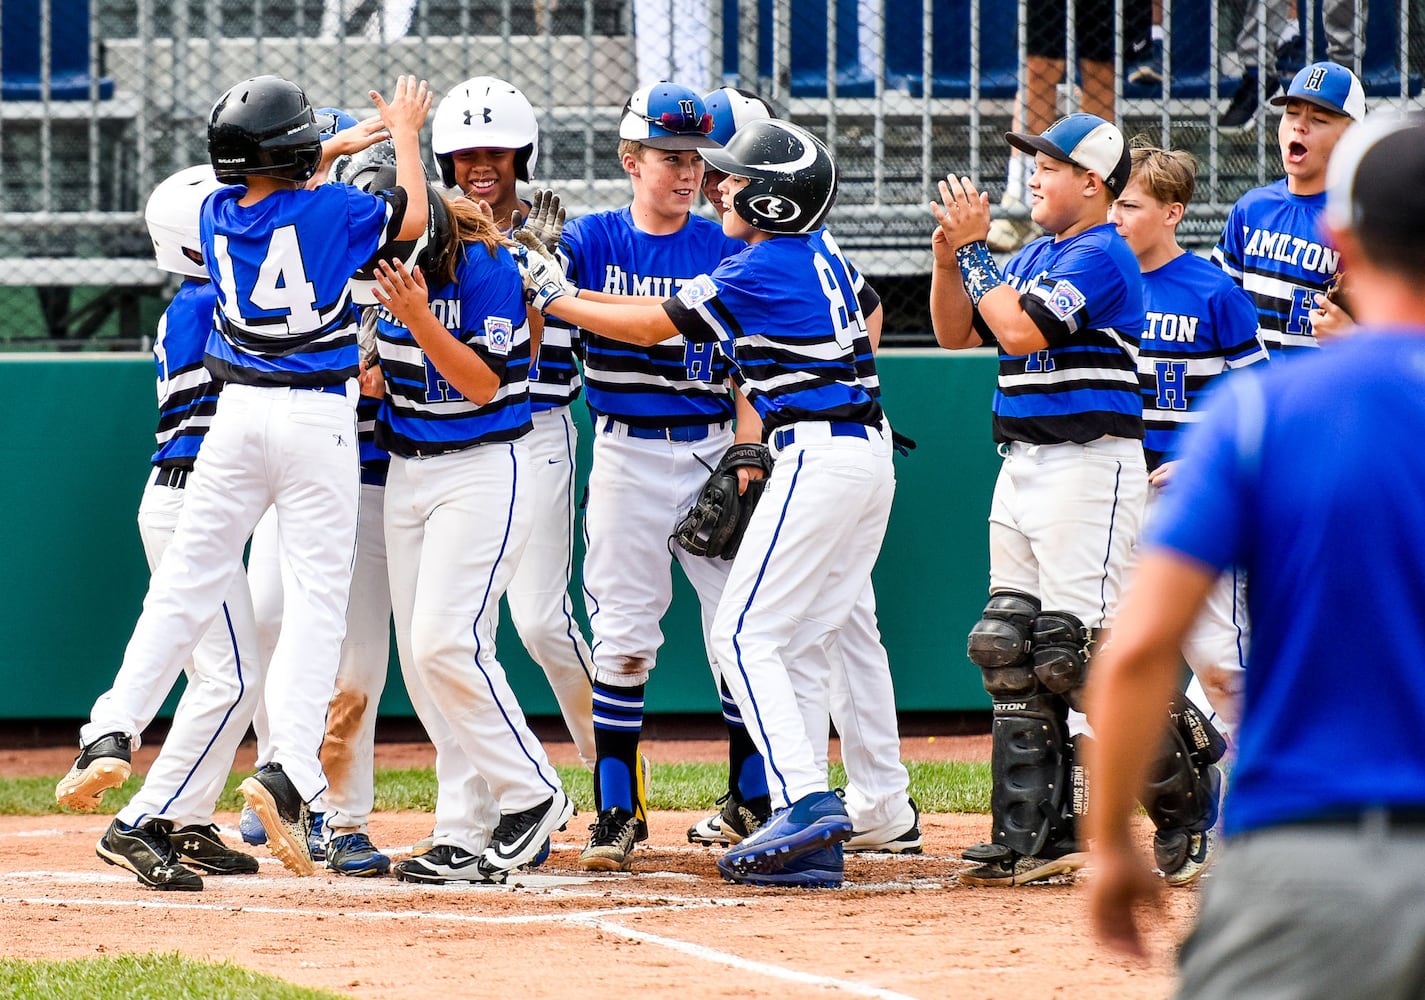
{"points": [[540, 606], [456, 526], [295, 449], [802, 568]]}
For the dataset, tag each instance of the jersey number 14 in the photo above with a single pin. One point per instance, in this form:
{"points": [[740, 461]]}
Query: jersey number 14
{"points": [[281, 284]]}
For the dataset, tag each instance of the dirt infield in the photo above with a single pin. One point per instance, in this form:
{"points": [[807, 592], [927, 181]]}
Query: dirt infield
{"points": [[901, 927]]}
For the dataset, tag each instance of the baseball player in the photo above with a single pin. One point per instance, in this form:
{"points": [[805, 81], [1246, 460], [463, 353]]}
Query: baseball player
{"points": [[1066, 314], [785, 312], [1272, 244], [340, 832], [284, 345], [662, 418], [863, 708], [1199, 326], [163, 842], [455, 351], [485, 139]]}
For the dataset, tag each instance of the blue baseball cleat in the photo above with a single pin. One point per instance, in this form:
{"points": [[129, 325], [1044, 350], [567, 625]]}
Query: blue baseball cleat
{"points": [[316, 841], [354, 854], [250, 827], [813, 822], [824, 868]]}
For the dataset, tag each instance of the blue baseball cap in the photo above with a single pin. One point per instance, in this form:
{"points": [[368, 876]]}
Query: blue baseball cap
{"points": [[330, 121], [1327, 85], [1086, 141], [731, 108], [667, 116]]}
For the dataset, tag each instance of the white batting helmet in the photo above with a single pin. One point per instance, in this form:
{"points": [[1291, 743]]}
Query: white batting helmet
{"points": [[484, 113], [172, 215]]}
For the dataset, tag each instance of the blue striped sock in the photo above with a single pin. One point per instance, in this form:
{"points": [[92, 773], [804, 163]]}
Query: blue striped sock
{"points": [[618, 726]]}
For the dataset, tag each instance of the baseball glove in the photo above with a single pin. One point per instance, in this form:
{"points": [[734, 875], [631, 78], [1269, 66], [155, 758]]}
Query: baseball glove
{"points": [[719, 517]]}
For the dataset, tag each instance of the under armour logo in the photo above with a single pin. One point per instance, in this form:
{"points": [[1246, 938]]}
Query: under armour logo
{"points": [[470, 115], [190, 846]]}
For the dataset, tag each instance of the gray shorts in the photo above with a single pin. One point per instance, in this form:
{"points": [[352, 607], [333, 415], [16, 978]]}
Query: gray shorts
{"points": [[1301, 912]]}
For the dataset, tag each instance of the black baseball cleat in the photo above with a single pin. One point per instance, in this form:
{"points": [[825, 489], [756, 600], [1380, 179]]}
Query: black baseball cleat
{"points": [[203, 848], [736, 821], [100, 766], [148, 852], [283, 814], [521, 835], [1000, 866]]}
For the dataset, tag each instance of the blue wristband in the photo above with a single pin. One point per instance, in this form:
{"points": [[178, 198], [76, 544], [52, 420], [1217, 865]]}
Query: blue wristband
{"points": [[978, 270]]}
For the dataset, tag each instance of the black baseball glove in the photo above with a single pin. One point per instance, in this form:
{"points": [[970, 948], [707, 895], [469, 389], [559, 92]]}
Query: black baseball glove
{"points": [[715, 524]]}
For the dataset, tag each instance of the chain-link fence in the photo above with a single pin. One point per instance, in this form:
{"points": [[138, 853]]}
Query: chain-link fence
{"points": [[103, 98]]}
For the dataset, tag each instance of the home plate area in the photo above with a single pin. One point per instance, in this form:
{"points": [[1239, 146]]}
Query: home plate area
{"points": [[901, 926]]}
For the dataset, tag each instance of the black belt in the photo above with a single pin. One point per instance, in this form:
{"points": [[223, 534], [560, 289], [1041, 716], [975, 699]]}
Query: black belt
{"points": [[839, 428], [172, 477], [1379, 816]]}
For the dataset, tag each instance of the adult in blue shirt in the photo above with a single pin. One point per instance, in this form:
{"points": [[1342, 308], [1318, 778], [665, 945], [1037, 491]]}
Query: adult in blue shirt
{"points": [[1302, 475]]}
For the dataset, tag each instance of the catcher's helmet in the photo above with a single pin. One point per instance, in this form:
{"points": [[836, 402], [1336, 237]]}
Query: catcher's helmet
{"points": [[731, 108], [264, 127], [484, 113], [667, 116], [172, 215], [425, 250], [791, 176]]}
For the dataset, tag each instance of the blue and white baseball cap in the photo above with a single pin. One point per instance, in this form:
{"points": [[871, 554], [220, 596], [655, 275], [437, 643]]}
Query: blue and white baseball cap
{"points": [[1327, 85], [667, 116], [731, 108], [330, 121], [1085, 141]]}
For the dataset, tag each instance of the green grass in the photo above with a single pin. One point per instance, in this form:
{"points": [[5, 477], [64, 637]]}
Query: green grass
{"points": [[139, 977], [937, 786]]}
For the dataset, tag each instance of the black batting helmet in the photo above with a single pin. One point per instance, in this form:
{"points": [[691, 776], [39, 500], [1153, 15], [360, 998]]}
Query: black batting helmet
{"points": [[264, 127], [792, 178]]}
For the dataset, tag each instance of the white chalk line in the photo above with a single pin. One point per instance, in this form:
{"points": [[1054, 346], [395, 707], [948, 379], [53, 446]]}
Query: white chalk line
{"points": [[598, 919], [439, 916], [717, 957]]}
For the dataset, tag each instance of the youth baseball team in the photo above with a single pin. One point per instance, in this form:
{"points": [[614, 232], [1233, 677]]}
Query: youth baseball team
{"points": [[370, 378]]}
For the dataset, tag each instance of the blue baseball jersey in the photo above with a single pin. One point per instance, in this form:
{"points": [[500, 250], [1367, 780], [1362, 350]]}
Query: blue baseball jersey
{"points": [[785, 310], [187, 394], [281, 266], [1302, 475], [375, 460], [1199, 325], [1274, 248], [483, 307], [676, 383], [1085, 294]]}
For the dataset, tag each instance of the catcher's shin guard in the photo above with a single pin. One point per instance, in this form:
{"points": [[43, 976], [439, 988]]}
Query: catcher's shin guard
{"points": [[1031, 802], [1032, 798], [1184, 787]]}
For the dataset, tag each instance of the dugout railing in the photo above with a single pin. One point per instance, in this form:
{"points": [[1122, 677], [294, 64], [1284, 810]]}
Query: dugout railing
{"points": [[103, 98]]}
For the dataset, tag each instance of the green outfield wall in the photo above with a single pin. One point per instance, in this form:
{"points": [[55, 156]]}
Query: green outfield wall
{"points": [[81, 433]]}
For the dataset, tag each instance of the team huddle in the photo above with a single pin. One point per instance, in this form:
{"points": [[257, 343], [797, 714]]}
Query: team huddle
{"points": [[369, 378]]}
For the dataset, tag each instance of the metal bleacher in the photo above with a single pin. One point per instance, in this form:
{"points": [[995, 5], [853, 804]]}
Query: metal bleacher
{"points": [[122, 99]]}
